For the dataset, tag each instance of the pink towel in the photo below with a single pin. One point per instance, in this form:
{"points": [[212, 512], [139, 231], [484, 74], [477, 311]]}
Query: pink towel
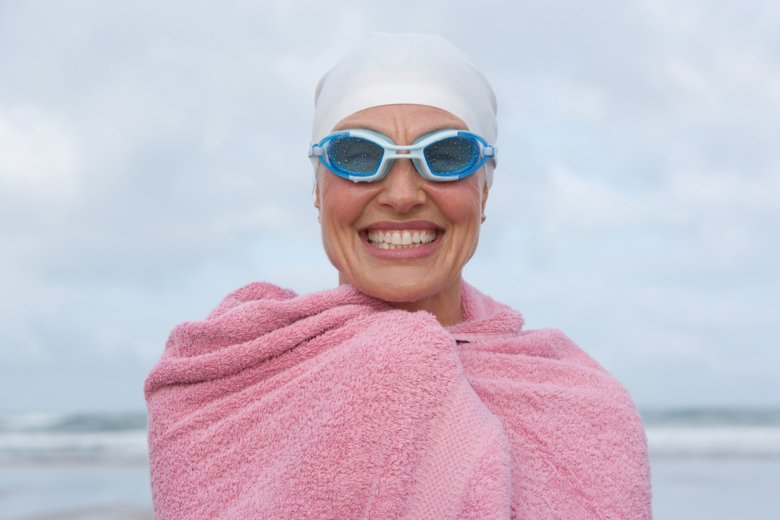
{"points": [[334, 405]]}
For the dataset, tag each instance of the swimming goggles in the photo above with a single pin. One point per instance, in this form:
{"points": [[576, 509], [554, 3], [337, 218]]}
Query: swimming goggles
{"points": [[367, 156]]}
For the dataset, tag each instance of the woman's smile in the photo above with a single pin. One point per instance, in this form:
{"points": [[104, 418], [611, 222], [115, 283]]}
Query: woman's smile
{"points": [[396, 240]]}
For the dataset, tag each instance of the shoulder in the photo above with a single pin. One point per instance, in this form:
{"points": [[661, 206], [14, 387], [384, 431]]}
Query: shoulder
{"points": [[254, 291]]}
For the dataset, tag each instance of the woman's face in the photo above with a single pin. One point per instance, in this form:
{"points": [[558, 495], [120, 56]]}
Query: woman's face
{"points": [[437, 223]]}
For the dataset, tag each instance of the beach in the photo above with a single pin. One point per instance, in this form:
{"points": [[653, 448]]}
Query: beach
{"points": [[715, 488], [714, 465], [75, 492], [684, 488]]}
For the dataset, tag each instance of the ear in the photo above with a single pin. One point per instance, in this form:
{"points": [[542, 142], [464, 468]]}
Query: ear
{"points": [[485, 191], [317, 195]]}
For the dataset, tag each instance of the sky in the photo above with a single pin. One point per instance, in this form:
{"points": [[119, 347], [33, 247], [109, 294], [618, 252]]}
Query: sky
{"points": [[153, 159]]}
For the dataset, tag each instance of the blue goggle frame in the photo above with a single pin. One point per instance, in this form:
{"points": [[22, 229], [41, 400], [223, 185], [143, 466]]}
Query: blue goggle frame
{"points": [[371, 164]]}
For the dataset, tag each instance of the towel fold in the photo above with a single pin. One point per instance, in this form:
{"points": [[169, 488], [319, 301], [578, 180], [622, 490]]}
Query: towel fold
{"points": [[335, 405]]}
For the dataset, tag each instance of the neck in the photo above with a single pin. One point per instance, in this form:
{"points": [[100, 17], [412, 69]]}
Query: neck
{"points": [[446, 306]]}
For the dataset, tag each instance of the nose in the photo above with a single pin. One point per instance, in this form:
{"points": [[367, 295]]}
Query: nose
{"points": [[402, 189]]}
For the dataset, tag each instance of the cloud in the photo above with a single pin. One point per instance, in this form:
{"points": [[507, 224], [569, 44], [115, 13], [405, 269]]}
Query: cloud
{"points": [[39, 160], [746, 196], [152, 159]]}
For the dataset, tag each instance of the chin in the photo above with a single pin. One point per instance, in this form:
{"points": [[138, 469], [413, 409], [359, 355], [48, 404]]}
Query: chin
{"points": [[398, 292]]}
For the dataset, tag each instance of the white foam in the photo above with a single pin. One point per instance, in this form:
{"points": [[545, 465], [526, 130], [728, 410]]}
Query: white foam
{"points": [[126, 447], [31, 421], [736, 440]]}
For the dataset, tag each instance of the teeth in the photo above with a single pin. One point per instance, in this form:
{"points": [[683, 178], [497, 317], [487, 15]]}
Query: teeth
{"points": [[401, 238]]}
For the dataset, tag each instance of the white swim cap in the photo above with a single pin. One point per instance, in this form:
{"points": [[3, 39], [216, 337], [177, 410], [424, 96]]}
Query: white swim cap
{"points": [[419, 69]]}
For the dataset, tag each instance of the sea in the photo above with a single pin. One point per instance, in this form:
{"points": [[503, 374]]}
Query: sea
{"points": [[706, 463]]}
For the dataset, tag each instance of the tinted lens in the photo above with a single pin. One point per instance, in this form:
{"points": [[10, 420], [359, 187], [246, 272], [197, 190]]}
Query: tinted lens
{"points": [[452, 155], [354, 154]]}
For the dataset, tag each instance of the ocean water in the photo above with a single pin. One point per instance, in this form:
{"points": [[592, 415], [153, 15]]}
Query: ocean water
{"points": [[78, 466], [713, 464]]}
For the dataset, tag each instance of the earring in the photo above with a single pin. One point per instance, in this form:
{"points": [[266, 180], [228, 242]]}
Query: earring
{"points": [[483, 217]]}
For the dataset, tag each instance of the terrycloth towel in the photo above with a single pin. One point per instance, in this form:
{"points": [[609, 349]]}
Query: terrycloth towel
{"points": [[334, 405]]}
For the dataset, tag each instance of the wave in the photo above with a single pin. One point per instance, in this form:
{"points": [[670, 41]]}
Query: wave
{"points": [[716, 441], [78, 422], [713, 432], [125, 447], [712, 416], [104, 438], [73, 438]]}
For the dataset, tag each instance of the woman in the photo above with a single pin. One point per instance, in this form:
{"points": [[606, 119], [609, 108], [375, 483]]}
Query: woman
{"points": [[404, 392]]}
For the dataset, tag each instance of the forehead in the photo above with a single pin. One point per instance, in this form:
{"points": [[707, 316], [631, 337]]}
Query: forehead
{"points": [[402, 120]]}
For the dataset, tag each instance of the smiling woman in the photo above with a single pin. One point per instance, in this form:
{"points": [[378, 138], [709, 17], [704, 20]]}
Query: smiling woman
{"points": [[404, 392]]}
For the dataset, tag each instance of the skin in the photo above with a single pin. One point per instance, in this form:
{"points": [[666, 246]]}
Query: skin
{"points": [[431, 280]]}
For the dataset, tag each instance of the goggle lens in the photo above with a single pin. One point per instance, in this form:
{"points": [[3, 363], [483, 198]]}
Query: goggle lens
{"points": [[354, 154], [452, 155]]}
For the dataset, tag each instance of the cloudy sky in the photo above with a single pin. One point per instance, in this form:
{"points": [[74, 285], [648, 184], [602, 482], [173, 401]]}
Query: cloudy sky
{"points": [[152, 159]]}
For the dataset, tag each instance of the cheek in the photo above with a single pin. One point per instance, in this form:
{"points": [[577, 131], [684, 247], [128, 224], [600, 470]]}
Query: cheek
{"points": [[341, 204], [339, 199], [461, 203]]}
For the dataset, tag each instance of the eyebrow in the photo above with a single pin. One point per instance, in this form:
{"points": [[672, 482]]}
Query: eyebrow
{"points": [[339, 128]]}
